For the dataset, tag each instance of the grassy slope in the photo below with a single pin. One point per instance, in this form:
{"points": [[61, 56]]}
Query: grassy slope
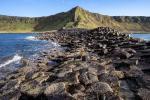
{"points": [[17, 27], [87, 19], [17, 24], [55, 22], [75, 18]]}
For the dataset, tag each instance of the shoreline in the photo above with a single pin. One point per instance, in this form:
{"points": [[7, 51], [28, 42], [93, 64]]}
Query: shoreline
{"points": [[128, 32], [97, 63], [11, 59], [1, 32]]}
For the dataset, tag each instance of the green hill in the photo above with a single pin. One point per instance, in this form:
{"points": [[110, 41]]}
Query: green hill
{"points": [[87, 19], [74, 18], [16, 24]]}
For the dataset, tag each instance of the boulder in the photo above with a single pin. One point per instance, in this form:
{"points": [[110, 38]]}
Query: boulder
{"points": [[122, 66], [32, 88], [68, 67], [27, 69], [122, 53], [75, 88], [24, 62], [42, 65], [2, 83], [100, 88], [10, 95], [72, 77], [10, 85], [134, 72], [65, 96], [91, 96], [144, 94], [145, 81], [55, 89], [112, 80], [125, 91], [62, 72], [87, 78], [42, 79], [28, 75], [131, 51], [119, 74], [79, 96]]}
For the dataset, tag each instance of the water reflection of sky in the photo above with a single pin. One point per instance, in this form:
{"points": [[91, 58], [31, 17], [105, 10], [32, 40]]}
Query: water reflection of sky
{"points": [[142, 36]]}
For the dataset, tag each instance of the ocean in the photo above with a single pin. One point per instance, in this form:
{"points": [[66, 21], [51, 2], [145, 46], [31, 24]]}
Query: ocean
{"points": [[14, 47], [141, 36]]}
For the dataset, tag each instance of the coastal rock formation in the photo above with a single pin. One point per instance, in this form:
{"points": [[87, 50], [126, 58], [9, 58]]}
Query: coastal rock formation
{"points": [[97, 64]]}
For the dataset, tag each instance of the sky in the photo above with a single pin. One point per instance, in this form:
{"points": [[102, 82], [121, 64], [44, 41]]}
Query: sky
{"points": [[37, 8]]}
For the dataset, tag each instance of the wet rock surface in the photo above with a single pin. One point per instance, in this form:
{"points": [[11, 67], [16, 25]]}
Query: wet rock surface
{"points": [[98, 64]]}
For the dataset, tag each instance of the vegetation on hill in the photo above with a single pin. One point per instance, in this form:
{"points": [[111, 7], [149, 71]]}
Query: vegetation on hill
{"points": [[87, 19], [75, 18], [18, 24]]}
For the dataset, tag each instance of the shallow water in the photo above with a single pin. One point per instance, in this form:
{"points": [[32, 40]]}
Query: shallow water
{"points": [[14, 47], [141, 36]]}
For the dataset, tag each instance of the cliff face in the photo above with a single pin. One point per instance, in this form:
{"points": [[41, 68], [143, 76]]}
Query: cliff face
{"points": [[87, 19], [74, 18], [136, 23], [17, 24]]}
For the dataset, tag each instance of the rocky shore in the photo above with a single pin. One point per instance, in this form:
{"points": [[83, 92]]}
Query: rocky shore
{"points": [[98, 64]]}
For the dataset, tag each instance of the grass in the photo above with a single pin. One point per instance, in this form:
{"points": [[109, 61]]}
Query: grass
{"points": [[75, 18]]}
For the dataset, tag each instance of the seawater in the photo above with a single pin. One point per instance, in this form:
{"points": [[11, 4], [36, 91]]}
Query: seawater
{"points": [[14, 47], [143, 36]]}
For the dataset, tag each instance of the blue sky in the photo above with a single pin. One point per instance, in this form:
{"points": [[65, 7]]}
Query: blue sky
{"points": [[36, 8]]}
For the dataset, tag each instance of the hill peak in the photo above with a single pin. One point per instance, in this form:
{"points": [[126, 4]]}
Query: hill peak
{"points": [[77, 17], [77, 8]]}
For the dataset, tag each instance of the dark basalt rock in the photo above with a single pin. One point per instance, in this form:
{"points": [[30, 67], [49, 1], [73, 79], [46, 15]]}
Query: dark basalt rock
{"points": [[125, 91], [72, 77], [122, 53], [97, 64], [144, 81], [87, 78], [100, 88], [144, 94], [60, 97], [134, 72], [55, 89], [148, 43], [123, 66], [75, 88], [11, 95], [2, 83]]}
